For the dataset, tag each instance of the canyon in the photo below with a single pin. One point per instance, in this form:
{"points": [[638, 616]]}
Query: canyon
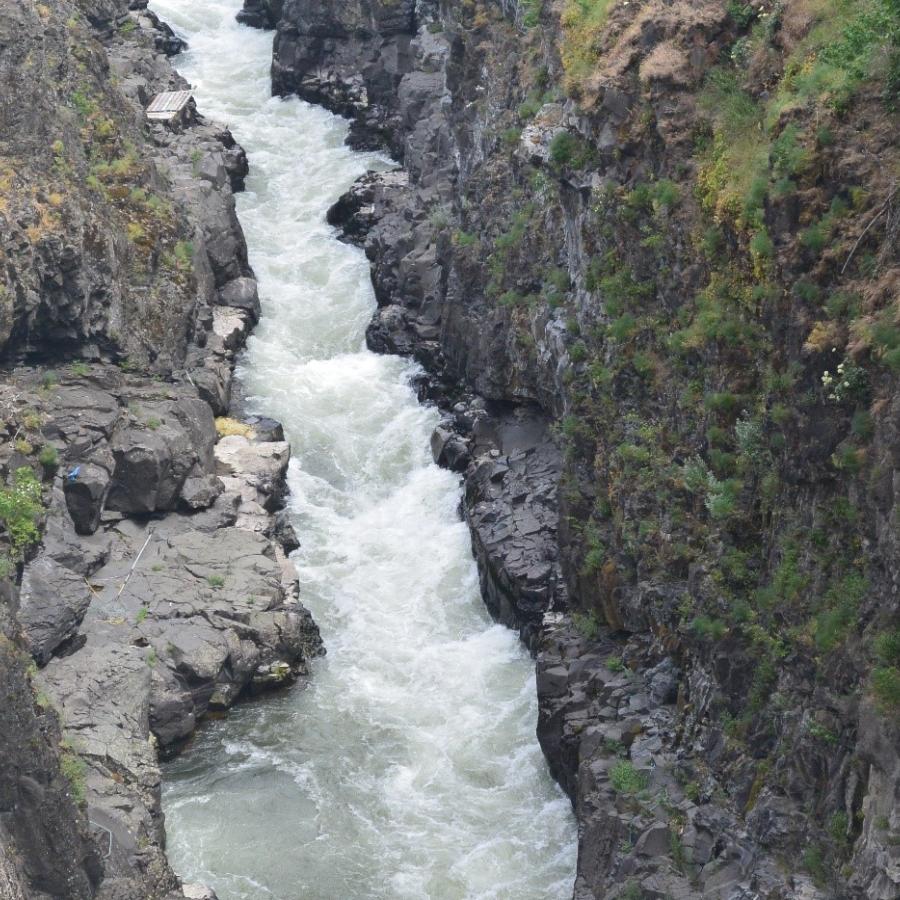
{"points": [[644, 256]]}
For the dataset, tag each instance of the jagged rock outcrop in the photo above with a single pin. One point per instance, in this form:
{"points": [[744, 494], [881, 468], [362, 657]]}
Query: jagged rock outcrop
{"points": [[144, 557], [641, 222], [261, 13], [45, 842]]}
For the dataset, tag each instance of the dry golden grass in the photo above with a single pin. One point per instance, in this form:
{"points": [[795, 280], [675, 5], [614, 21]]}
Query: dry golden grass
{"points": [[226, 427]]}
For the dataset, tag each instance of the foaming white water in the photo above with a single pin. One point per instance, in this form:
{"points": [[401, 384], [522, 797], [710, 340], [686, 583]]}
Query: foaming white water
{"points": [[409, 768]]}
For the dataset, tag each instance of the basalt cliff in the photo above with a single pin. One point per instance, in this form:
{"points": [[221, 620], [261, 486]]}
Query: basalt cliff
{"points": [[646, 252], [144, 579]]}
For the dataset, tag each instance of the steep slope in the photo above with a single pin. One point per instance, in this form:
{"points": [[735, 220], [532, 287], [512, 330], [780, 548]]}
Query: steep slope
{"points": [[143, 570], [670, 230]]}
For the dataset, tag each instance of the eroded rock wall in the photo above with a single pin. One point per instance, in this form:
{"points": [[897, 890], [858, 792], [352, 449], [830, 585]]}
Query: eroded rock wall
{"points": [[145, 571], [644, 225]]}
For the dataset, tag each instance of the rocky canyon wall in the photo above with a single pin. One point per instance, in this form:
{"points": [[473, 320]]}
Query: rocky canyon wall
{"points": [[144, 579], [647, 253]]}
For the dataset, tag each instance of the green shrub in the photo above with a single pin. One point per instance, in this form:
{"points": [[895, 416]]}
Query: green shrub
{"points": [[696, 475], [789, 156], [510, 137], [621, 289], [74, 769], [559, 279], [593, 560], [821, 733], [600, 375], [761, 245], [216, 582], [511, 298], [842, 304], [886, 687], [625, 779], [529, 107], [582, 22], [666, 193], [748, 434], [578, 352], [755, 200], [815, 237], [722, 463], [724, 403], [712, 242], [814, 863], [824, 137], [587, 624], [574, 429], [887, 647], [839, 826], [465, 239], [722, 497], [184, 255], [623, 328], [678, 852], [842, 602], [848, 459], [439, 218], [862, 425], [20, 510], [780, 413], [633, 456], [569, 150], [643, 364], [734, 564], [787, 583], [717, 437], [531, 12], [49, 458], [742, 13], [709, 629]]}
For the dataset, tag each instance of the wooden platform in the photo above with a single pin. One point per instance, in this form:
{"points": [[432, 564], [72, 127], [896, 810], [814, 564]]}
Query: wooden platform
{"points": [[165, 107]]}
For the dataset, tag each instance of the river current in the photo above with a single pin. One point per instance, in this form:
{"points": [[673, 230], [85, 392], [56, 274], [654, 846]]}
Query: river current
{"points": [[409, 767]]}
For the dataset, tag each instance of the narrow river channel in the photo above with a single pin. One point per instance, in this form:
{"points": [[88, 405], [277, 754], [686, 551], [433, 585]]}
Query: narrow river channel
{"points": [[409, 768]]}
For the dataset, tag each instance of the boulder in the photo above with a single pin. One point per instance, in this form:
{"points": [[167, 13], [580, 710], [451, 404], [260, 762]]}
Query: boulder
{"points": [[200, 492], [86, 487], [52, 603], [241, 293], [152, 465]]}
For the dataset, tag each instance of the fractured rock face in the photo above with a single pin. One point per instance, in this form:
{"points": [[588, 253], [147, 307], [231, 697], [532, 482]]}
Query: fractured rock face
{"points": [[52, 602], [152, 464], [159, 591]]}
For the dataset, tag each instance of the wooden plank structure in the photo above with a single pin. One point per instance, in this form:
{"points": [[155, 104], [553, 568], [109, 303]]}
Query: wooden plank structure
{"points": [[168, 106]]}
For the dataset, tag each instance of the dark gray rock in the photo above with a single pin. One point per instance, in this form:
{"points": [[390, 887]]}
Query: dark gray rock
{"points": [[52, 603], [283, 532], [200, 492], [152, 465], [266, 430], [242, 294], [45, 847], [133, 673], [261, 13], [86, 487]]}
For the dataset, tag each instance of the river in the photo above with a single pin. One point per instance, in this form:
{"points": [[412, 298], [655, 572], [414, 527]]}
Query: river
{"points": [[409, 767]]}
